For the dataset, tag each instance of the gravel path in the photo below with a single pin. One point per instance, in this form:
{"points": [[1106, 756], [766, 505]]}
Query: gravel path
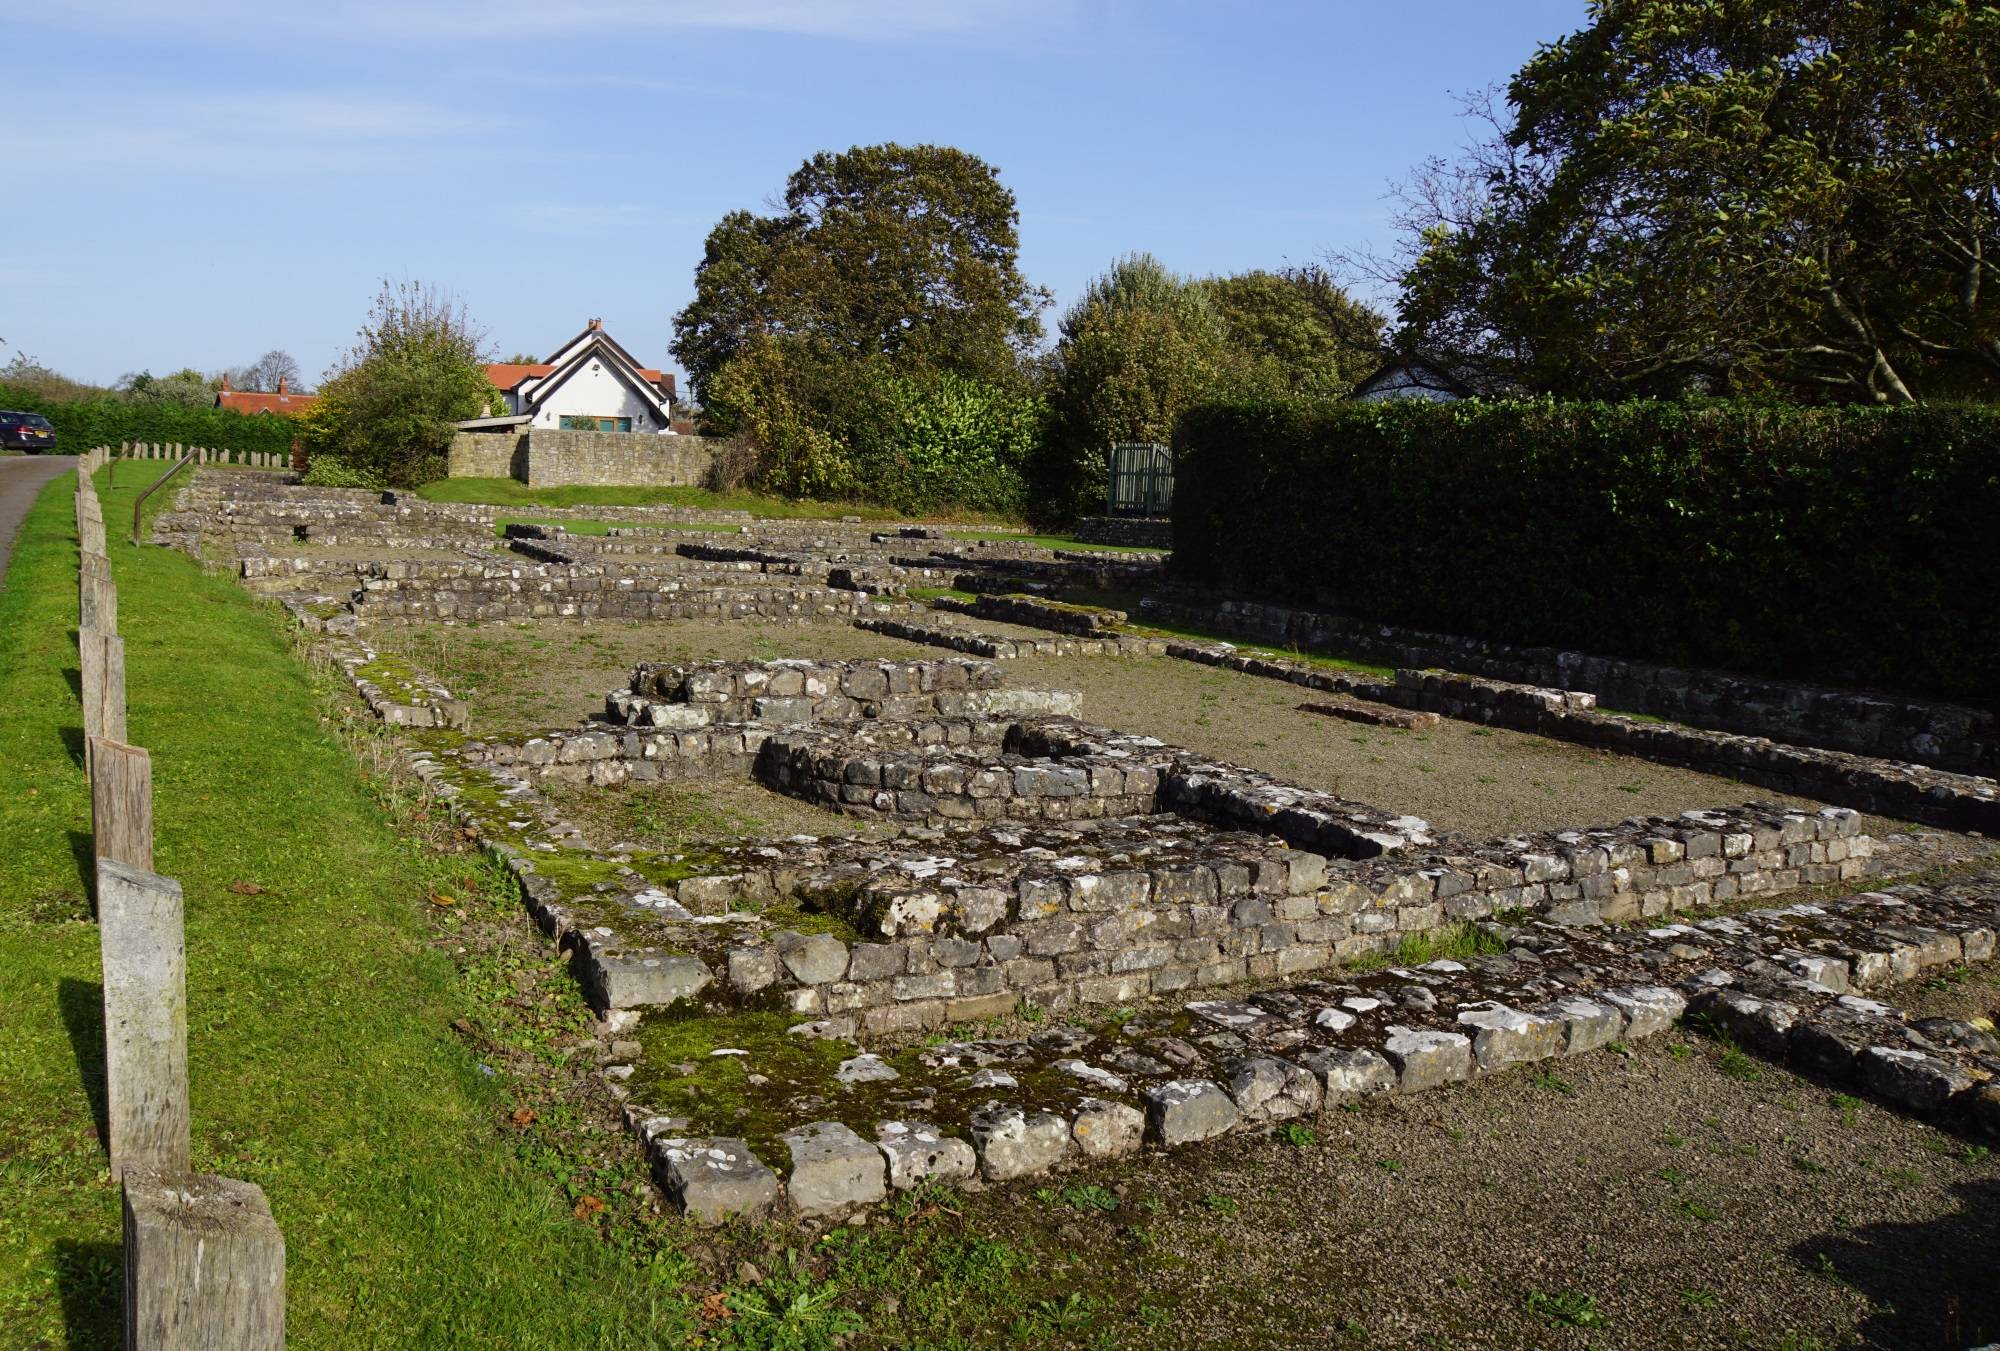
{"points": [[21, 479], [1689, 1207]]}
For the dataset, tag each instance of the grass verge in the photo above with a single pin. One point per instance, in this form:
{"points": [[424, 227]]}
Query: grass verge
{"points": [[339, 1056]]}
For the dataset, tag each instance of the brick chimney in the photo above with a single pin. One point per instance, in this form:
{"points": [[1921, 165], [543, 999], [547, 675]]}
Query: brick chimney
{"points": [[281, 386], [597, 326], [225, 382]]}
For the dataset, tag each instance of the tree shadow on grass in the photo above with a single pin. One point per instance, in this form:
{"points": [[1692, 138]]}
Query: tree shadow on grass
{"points": [[81, 1003], [90, 1278], [1931, 1284]]}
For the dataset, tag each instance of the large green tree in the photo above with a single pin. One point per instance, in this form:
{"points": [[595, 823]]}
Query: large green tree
{"points": [[906, 253], [1144, 344], [1729, 195], [385, 413]]}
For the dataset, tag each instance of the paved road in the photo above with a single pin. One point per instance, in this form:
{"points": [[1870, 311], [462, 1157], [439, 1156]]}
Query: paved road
{"points": [[21, 478]]}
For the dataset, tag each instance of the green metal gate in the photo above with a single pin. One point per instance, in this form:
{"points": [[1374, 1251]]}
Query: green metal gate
{"points": [[1141, 480]]}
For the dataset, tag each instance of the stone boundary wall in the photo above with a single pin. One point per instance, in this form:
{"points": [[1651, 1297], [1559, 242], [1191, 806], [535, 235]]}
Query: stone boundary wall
{"points": [[1947, 736], [1141, 532], [546, 457]]}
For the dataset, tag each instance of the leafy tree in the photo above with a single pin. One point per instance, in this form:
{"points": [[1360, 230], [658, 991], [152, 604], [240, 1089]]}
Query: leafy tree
{"points": [[901, 252], [1297, 330], [1730, 195], [1143, 345], [266, 371], [186, 386], [385, 413]]}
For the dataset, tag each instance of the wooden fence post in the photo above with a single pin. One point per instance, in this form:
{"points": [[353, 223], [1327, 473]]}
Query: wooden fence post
{"points": [[97, 594], [103, 662], [204, 1264], [121, 802], [144, 953]]}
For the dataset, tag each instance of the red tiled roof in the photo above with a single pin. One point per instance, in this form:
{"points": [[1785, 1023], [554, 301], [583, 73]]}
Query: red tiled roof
{"points": [[244, 401], [507, 374]]}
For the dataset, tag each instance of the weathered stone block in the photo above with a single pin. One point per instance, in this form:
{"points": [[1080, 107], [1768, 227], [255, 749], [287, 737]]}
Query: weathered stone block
{"points": [[1425, 1058], [1183, 1111], [916, 1153], [833, 1169], [713, 1179], [1508, 1036], [1014, 1143]]}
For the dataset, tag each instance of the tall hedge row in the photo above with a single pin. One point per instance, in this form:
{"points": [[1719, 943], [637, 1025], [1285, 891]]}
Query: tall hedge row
{"points": [[84, 423], [1850, 545]]}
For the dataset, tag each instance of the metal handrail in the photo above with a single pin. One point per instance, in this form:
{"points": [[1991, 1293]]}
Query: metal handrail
{"points": [[178, 464]]}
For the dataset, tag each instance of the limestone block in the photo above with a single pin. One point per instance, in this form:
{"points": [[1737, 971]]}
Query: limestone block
{"points": [[1349, 1072], [1587, 1023], [1015, 1143], [1104, 1129], [1912, 1079], [1265, 1088], [643, 977], [1425, 1058], [916, 1153], [813, 959], [1183, 1111], [833, 1169], [1508, 1036], [713, 1179], [1647, 1008]]}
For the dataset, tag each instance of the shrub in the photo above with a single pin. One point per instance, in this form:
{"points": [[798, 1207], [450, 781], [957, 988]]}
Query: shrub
{"points": [[1852, 544]]}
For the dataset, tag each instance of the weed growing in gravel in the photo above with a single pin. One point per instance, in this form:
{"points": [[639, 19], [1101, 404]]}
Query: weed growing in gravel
{"points": [[1672, 1175], [1089, 1196], [1699, 1299], [1848, 1106], [1389, 1165], [1221, 1205], [1618, 1048], [1679, 1050], [1552, 1082], [1976, 1154], [1734, 1063], [1695, 1210], [789, 1312], [1566, 1308], [1297, 1136]]}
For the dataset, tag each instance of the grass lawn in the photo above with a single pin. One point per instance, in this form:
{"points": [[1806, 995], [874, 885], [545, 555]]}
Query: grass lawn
{"points": [[507, 492], [323, 1057], [1052, 541]]}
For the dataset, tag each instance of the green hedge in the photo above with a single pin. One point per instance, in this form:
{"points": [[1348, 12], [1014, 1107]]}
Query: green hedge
{"points": [[85, 423], [1850, 545]]}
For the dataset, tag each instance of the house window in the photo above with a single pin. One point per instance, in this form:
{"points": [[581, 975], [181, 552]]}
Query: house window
{"points": [[578, 422]]}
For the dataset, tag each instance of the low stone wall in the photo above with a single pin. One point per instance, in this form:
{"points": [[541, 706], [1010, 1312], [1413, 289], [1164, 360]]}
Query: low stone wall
{"points": [[939, 782], [1035, 613], [803, 691], [487, 455], [544, 457], [1948, 736], [1008, 649], [1140, 532], [544, 591], [1889, 788]]}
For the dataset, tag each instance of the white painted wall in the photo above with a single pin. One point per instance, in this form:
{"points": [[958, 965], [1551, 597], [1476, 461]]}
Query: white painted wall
{"points": [[596, 392]]}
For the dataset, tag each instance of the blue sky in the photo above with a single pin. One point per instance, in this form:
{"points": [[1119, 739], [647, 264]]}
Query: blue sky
{"points": [[194, 183]]}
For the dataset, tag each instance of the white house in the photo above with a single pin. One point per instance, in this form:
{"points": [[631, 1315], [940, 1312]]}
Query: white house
{"points": [[589, 384]]}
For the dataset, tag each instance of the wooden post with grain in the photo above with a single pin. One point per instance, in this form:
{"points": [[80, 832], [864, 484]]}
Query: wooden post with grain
{"points": [[121, 803], [145, 1017], [204, 1264]]}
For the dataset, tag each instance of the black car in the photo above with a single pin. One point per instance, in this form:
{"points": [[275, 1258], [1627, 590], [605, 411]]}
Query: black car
{"points": [[26, 431]]}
